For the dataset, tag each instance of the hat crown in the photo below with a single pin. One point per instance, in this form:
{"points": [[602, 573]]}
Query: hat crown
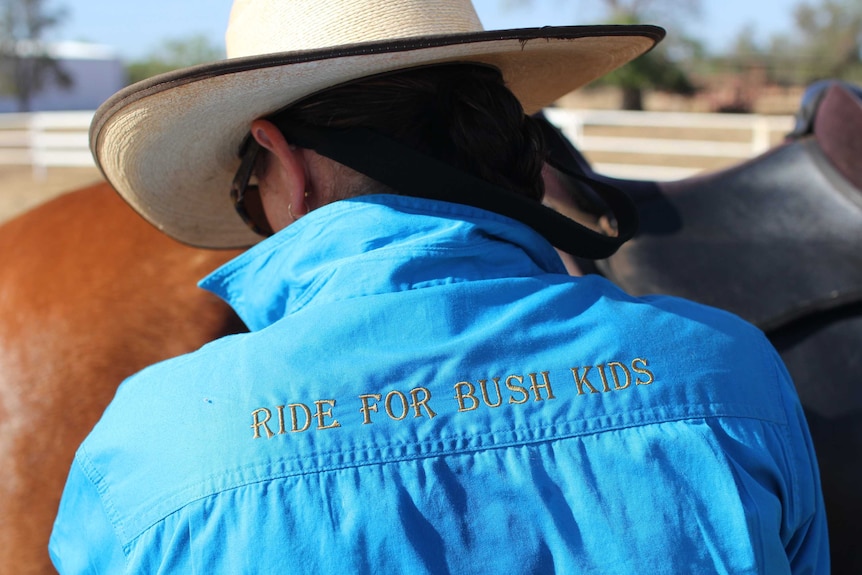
{"points": [[269, 26]]}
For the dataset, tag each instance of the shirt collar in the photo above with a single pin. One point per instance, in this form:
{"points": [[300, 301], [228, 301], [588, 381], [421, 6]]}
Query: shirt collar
{"points": [[375, 244]]}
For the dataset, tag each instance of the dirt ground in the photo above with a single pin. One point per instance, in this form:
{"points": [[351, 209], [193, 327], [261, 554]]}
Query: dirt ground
{"points": [[22, 189]]}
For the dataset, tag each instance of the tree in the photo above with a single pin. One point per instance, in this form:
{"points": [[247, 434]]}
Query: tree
{"points": [[826, 44], [26, 63], [659, 69], [174, 54], [661, 8], [831, 38], [656, 70]]}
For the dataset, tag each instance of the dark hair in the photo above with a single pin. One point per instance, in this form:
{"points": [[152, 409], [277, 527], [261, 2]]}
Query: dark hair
{"points": [[461, 114]]}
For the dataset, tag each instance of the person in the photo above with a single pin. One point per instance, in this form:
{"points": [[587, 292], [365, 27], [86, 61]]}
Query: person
{"points": [[424, 388]]}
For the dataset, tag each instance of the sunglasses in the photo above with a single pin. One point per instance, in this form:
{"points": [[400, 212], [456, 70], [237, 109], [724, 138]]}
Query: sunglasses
{"points": [[246, 196]]}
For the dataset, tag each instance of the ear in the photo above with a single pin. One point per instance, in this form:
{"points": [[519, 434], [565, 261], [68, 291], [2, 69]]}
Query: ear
{"points": [[284, 183]]}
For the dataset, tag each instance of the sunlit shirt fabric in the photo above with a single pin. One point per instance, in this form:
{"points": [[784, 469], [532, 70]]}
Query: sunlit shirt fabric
{"points": [[425, 390]]}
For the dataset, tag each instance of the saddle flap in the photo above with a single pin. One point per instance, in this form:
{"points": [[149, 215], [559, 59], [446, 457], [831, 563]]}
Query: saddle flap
{"points": [[771, 240]]}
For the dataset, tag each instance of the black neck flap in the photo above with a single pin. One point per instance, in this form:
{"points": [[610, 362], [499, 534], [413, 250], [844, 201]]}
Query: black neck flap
{"points": [[411, 173]]}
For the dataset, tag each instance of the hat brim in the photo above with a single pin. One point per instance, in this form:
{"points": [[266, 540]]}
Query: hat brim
{"points": [[169, 144]]}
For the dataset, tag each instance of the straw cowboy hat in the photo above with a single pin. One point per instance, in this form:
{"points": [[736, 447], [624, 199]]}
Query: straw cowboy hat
{"points": [[169, 145]]}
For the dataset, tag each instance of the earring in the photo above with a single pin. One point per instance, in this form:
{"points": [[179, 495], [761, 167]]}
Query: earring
{"points": [[290, 207]]}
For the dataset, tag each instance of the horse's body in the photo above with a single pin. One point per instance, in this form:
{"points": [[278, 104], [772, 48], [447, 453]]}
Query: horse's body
{"points": [[89, 294]]}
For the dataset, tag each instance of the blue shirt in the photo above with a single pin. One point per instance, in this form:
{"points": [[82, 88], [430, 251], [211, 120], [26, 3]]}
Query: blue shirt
{"points": [[425, 390]]}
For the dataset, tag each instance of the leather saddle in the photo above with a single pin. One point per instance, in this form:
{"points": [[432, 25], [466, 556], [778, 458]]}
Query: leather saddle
{"points": [[777, 240]]}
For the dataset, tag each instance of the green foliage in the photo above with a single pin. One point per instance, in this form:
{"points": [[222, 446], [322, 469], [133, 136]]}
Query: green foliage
{"points": [[660, 69], [656, 70], [175, 54], [830, 38], [826, 43]]}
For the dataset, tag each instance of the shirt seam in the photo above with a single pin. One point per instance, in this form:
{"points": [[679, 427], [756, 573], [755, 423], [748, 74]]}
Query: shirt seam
{"points": [[788, 441], [392, 459]]}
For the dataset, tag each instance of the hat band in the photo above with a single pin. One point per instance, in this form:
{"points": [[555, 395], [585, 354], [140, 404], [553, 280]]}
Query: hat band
{"points": [[412, 173]]}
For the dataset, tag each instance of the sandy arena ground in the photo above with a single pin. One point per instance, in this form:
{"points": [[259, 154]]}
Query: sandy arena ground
{"points": [[21, 189]]}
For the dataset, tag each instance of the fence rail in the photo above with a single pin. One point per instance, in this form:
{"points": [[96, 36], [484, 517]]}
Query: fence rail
{"points": [[732, 137], [48, 139]]}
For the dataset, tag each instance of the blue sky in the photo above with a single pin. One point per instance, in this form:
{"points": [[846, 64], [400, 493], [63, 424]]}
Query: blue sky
{"points": [[135, 29]]}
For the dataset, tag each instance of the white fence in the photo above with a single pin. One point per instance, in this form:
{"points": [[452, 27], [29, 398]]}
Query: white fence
{"points": [[47, 139], [748, 135]]}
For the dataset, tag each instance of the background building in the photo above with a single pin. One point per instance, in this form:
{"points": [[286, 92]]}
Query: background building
{"points": [[96, 72]]}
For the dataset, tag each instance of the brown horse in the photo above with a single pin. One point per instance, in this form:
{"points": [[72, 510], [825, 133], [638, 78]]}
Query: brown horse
{"points": [[89, 293]]}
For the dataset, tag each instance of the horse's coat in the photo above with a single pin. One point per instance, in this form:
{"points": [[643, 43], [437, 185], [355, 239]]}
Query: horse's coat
{"points": [[89, 294]]}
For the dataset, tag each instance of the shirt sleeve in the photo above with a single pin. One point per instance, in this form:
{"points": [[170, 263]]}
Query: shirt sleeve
{"points": [[84, 539], [805, 535]]}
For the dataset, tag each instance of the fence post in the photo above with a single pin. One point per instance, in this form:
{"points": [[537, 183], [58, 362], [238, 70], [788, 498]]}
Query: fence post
{"points": [[578, 129], [36, 127], [761, 140], [38, 124], [570, 121]]}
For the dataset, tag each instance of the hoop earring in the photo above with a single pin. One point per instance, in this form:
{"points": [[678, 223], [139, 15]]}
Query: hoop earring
{"points": [[290, 211]]}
